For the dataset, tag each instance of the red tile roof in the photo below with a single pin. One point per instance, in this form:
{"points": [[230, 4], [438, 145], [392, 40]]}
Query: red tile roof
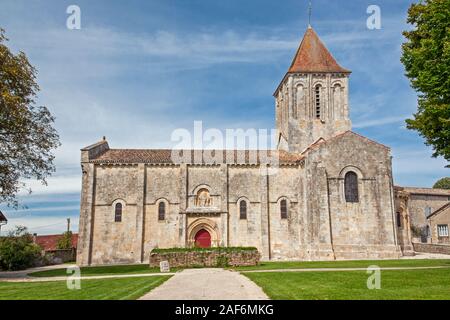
{"points": [[313, 56], [164, 156], [49, 242]]}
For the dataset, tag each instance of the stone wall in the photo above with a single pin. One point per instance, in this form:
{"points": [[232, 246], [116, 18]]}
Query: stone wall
{"points": [[320, 224], [418, 203], [296, 109], [206, 258], [432, 248], [341, 229], [442, 217], [60, 256]]}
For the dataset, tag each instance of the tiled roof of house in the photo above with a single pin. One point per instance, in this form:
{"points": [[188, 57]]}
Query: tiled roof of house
{"points": [[440, 210], [164, 156], [2, 217], [313, 56], [424, 191], [49, 242]]}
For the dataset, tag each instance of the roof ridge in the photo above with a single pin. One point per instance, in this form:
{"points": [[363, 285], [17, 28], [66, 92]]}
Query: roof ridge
{"points": [[424, 190], [164, 155], [439, 210], [321, 141]]}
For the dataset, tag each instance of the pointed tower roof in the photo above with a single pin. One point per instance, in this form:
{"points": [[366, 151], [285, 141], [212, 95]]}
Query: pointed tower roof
{"points": [[313, 56]]}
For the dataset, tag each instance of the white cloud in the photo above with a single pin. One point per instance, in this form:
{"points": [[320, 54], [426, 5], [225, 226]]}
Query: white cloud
{"points": [[56, 185], [378, 122]]}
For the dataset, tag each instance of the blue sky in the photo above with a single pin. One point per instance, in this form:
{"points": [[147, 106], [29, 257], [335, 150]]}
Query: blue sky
{"points": [[137, 70]]}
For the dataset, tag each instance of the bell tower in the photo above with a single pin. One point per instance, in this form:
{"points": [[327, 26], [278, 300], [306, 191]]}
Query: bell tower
{"points": [[311, 101]]}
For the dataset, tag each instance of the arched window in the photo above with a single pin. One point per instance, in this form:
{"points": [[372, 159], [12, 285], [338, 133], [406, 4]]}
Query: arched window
{"points": [[161, 211], [399, 220], [118, 212], [243, 209], [318, 102], [351, 187], [283, 209]]}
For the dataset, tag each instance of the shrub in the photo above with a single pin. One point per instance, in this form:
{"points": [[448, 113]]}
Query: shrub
{"points": [[419, 232], [17, 250], [65, 242]]}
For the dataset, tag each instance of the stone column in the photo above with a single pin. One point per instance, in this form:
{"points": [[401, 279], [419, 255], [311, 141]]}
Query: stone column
{"points": [[183, 182], [328, 100], [290, 101], [323, 227], [318, 213], [86, 224], [265, 214], [140, 214], [224, 205]]}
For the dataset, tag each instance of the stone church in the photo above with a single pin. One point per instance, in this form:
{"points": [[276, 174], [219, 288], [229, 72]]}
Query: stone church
{"points": [[330, 198]]}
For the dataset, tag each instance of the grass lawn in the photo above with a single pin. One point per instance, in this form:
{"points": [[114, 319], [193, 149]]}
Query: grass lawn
{"points": [[104, 289], [352, 285], [347, 264], [103, 270]]}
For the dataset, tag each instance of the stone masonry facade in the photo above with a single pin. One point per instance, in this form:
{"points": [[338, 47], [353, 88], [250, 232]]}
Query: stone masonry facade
{"points": [[419, 212], [330, 197]]}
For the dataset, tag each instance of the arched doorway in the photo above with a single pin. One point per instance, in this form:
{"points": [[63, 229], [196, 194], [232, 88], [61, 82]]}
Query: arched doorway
{"points": [[203, 224], [202, 239]]}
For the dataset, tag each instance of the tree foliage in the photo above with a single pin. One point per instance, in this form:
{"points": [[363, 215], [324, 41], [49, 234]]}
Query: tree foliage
{"points": [[27, 138], [18, 251], [65, 242], [443, 183], [426, 57]]}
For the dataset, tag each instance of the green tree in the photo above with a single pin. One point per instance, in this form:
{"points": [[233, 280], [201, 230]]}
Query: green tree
{"points": [[18, 251], [426, 57], [27, 138], [443, 183], [65, 242]]}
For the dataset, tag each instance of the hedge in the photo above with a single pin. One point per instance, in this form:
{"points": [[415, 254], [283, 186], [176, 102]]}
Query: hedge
{"points": [[212, 249]]}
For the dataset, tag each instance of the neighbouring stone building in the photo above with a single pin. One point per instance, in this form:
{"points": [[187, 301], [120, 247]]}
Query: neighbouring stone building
{"points": [[438, 223], [330, 197], [416, 209]]}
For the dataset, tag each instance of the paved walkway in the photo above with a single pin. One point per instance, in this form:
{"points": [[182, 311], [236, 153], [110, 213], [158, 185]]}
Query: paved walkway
{"points": [[207, 284], [22, 274], [424, 255]]}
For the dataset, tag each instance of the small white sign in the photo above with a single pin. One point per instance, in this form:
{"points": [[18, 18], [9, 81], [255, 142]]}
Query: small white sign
{"points": [[164, 266]]}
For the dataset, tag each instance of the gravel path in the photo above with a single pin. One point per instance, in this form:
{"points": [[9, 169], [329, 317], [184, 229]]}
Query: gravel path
{"points": [[207, 284], [22, 274]]}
